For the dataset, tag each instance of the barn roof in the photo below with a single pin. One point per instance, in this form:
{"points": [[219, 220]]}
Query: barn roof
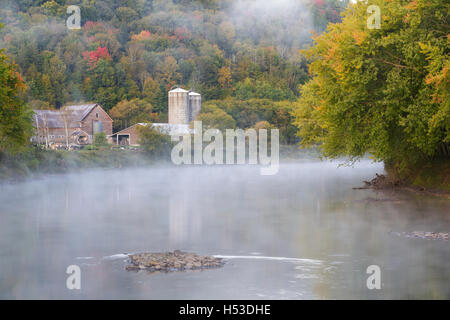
{"points": [[170, 129], [80, 111], [53, 119]]}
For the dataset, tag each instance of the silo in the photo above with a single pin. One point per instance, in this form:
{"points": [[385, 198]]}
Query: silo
{"points": [[195, 101], [179, 111]]}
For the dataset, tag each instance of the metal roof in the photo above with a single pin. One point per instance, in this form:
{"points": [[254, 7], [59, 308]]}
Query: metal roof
{"points": [[178, 90], [170, 129], [53, 119], [80, 111]]}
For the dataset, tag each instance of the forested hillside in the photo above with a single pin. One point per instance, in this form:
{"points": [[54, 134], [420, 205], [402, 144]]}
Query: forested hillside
{"points": [[311, 68], [129, 53]]}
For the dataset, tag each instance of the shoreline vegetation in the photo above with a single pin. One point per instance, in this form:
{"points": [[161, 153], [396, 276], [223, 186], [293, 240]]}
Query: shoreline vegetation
{"points": [[36, 161], [432, 179], [419, 182], [383, 91]]}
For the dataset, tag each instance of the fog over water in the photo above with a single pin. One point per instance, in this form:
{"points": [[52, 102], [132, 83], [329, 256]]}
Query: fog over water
{"points": [[301, 234]]}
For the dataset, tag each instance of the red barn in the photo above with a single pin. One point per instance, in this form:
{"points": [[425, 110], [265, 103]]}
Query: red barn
{"points": [[71, 125]]}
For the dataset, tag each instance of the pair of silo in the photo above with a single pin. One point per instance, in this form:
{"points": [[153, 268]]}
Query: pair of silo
{"points": [[184, 106]]}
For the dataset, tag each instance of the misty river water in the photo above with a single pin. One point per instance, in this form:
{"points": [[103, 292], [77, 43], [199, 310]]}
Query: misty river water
{"points": [[301, 234]]}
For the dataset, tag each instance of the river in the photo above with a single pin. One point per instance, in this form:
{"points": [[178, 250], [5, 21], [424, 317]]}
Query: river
{"points": [[301, 234]]}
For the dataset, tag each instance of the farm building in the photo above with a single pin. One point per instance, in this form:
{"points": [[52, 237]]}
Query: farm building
{"points": [[130, 136], [73, 125], [184, 106]]}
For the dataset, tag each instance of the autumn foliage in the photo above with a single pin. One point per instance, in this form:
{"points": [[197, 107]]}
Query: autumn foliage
{"points": [[92, 57], [15, 119], [381, 91]]}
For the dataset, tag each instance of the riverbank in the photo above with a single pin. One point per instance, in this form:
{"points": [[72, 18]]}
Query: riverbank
{"points": [[432, 178], [36, 161]]}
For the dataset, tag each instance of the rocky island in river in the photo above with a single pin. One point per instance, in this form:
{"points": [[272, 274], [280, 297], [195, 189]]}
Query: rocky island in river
{"points": [[172, 261]]}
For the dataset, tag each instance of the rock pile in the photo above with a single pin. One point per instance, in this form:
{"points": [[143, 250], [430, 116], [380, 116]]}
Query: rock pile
{"points": [[424, 235], [381, 182], [172, 261]]}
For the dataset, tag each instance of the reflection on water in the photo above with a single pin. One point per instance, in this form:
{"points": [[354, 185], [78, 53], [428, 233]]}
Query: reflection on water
{"points": [[301, 234]]}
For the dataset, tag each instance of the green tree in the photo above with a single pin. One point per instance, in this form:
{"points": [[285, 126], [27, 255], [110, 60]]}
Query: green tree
{"points": [[213, 117], [100, 140], [15, 118], [50, 8], [55, 69], [155, 144], [38, 105], [382, 91], [102, 86], [152, 93], [127, 113], [249, 112]]}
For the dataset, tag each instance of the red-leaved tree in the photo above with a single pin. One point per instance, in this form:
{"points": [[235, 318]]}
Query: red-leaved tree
{"points": [[92, 57]]}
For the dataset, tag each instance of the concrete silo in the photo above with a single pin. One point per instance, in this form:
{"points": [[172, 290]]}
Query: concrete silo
{"points": [[179, 110], [195, 102]]}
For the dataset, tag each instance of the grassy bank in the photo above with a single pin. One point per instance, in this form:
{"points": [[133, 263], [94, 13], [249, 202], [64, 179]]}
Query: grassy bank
{"points": [[35, 161], [433, 176]]}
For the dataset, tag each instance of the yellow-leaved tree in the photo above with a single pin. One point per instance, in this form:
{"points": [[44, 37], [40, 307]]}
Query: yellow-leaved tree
{"points": [[383, 91]]}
